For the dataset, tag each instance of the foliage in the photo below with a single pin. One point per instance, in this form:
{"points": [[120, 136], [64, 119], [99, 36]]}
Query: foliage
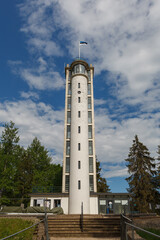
{"points": [[21, 170], [13, 225], [101, 182], [141, 169]]}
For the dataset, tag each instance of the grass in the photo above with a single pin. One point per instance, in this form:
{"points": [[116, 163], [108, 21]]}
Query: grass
{"points": [[148, 236], [9, 226]]}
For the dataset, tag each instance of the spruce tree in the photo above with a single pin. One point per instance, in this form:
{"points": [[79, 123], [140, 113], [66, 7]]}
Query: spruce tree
{"points": [[141, 167], [101, 182]]}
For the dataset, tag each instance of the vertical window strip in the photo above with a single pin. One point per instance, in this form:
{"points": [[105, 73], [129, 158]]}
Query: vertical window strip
{"points": [[79, 164], [79, 129], [79, 184], [79, 146], [79, 114], [79, 99]]}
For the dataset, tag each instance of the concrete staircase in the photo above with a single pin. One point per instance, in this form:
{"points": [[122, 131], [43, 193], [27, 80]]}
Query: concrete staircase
{"points": [[93, 226]]}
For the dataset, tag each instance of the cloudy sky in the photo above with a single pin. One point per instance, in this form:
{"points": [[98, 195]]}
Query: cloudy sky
{"points": [[39, 37]]}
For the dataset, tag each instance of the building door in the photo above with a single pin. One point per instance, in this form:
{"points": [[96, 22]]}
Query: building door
{"points": [[109, 206], [57, 203]]}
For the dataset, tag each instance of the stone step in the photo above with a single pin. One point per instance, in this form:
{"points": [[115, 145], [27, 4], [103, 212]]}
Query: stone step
{"points": [[85, 235]]}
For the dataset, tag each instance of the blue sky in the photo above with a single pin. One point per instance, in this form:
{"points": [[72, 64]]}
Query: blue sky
{"points": [[39, 37]]}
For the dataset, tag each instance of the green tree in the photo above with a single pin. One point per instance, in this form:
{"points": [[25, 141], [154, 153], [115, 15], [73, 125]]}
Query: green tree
{"points": [[8, 162], [141, 167], [101, 182], [45, 173]]}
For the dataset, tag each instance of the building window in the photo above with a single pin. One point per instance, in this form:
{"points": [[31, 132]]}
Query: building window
{"points": [[79, 99], [79, 184], [79, 129], [69, 76], [68, 117], [67, 183], [89, 117], [89, 103], [89, 75], [67, 164], [90, 148], [69, 103], [78, 85], [79, 164], [89, 89], [79, 114], [67, 147], [91, 183], [69, 89], [68, 131], [90, 164], [90, 131], [79, 68], [79, 146]]}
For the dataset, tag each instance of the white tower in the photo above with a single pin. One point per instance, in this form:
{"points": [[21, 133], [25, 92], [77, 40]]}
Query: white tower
{"points": [[79, 163]]}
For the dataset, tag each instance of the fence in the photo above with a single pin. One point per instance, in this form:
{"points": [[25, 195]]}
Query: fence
{"points": [[126, 223]]}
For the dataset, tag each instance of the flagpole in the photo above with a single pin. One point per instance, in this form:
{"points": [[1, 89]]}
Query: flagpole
{"points": [[79, 50]]}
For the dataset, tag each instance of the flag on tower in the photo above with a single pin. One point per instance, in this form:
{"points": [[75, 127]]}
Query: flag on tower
{"points": [[82, 42]]}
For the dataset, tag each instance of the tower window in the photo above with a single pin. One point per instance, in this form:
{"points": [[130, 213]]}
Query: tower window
{"points": [[79, 146], [67, 147], [78, 85], [79, 114], [89, 89], [89, 103], [79, 164], [69, 103], [90, 148], [90, 131], [79, 184], [79, 99], [68, 117], [69, 89], [91, 164], [89, 117], [79, 129], [67, 183], [67, 164], [91, 183], [68, 131]]}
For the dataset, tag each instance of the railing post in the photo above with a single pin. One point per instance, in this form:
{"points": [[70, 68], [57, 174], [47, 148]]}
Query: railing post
{"points": [[81, 218], [46, 221]]}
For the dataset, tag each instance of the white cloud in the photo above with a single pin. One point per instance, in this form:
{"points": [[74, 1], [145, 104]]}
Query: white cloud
{"points": [[29, 94], [36, 120], [42, 75], [98, 102]]}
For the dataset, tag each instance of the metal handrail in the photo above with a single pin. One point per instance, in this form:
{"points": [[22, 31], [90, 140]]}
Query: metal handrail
{"points": [[81, 218], [46, 220], [143, 230], [22, 230], [125, 222]]}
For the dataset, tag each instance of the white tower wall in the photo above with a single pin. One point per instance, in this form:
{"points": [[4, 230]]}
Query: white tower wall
{"points": [[79, 165]]}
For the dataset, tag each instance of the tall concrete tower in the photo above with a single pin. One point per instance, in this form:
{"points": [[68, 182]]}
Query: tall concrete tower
{"points": [[79, 162]]}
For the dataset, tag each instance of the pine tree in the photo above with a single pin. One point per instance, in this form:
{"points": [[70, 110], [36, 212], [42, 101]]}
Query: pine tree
{"points": [[8, 162], [101, 182], [141, 169]]}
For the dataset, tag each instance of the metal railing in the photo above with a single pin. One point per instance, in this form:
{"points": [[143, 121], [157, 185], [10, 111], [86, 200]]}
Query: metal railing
{"points": [[22, 230], [125, 222], [46, 219], [81, 218]]}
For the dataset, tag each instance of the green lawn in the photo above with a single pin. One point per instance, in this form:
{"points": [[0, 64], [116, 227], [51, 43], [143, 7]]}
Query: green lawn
{"points": [[148, 236], [9, 226]]}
